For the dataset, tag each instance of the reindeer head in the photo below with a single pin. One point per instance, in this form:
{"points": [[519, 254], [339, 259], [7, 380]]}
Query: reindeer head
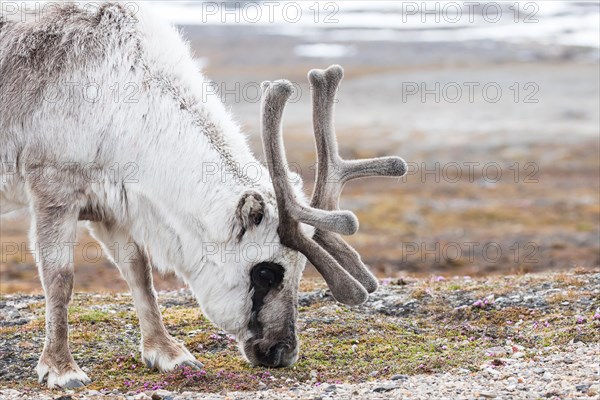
{"points": [[302, 231]]}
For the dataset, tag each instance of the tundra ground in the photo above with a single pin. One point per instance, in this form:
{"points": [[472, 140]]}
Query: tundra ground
{"points": [[531, 336]]}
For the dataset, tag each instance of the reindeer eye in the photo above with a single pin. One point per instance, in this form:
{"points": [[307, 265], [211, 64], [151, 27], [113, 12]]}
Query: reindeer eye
{"points": [[267, 275]]}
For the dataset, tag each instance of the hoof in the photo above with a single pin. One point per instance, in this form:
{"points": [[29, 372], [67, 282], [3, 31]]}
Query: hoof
{"points": [[194, 364], [169, 356], [71, 379], [75, 383]]}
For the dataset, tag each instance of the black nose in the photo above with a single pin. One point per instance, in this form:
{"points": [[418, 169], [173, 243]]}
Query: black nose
{"points": [[279, 355]]}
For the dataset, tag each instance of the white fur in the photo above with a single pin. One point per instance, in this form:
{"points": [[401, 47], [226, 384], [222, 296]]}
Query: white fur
{"points": [[162, 362], [60, 380], [174, 209]]}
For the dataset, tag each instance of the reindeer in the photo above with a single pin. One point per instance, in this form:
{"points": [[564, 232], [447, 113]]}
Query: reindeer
{"points": [[175, 216]]}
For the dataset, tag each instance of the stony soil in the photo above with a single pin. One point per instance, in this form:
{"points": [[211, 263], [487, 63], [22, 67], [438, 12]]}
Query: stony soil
{"points": [[527, 336]]}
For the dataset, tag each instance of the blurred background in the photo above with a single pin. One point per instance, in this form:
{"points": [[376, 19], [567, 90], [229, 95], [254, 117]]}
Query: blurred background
{"points": [[494, 105]]}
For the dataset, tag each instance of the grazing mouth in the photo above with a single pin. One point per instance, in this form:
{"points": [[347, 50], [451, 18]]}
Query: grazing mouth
{"points": [[278, 355]]}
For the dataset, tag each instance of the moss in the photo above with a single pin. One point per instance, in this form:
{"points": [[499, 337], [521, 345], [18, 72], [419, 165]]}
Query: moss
{"points": [[90, 316]]}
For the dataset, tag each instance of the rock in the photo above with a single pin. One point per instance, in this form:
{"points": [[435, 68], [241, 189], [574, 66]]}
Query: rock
{"points": [[385, 388], [492, 371], [539, 371], [142, 396], [498, 350], [498, 362], [552, 394], [10, 392], [488, 395], [331, 388], [547, 376], [161, 394], [582, 388], [399, 377]]}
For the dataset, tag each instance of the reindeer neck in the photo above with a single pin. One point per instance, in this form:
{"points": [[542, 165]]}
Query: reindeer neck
{"points": [[191, 182]]}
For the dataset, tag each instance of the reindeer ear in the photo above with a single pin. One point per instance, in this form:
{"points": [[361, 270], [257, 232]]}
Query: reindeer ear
{"points": [[250, 211]]}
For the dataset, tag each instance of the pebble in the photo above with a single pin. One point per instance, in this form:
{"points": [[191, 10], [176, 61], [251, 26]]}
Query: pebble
{"points": [[161, 395], [582, 388], [547, 376], [330, 388], [385, 388]]}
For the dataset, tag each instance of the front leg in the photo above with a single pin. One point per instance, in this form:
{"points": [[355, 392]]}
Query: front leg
{"points": [[54, 233], [159, 349]]}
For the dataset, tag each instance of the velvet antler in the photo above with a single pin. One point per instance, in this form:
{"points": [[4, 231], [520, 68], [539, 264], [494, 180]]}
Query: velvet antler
{"points": [[339, 264], [333, 172]]}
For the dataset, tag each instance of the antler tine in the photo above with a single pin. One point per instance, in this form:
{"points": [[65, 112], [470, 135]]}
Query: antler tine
{"points": [[276, 95], [343, 286], [333, 172]]}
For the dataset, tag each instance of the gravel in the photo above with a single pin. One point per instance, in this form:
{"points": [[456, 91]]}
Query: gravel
{"points": [[516, 379]]}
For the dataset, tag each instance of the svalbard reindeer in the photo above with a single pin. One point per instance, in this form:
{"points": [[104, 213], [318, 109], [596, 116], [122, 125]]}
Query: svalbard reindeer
{"points": [[176, 214]]}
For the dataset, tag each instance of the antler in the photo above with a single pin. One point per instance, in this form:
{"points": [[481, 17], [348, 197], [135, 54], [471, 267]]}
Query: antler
{"points": [[343, 286], [333, 172], [327, 250]]}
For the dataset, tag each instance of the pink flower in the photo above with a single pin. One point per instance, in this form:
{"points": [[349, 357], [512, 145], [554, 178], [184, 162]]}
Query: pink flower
{"points": [[481, 303], [580, 319]]}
